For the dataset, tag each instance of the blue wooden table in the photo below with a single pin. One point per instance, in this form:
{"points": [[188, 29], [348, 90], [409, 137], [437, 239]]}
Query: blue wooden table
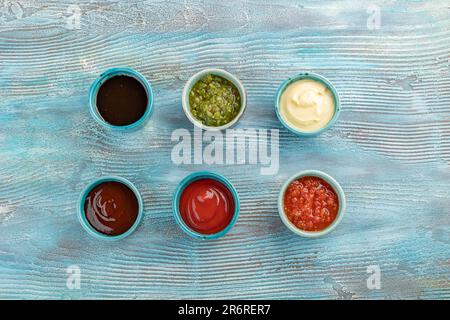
{"points": [[390, 149]]}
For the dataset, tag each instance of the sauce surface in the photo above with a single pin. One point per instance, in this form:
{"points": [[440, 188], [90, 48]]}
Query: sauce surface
{"points": [[311, 204], [214, 100], [122, 100], [307, 105], [111, 208], [206, 206]]}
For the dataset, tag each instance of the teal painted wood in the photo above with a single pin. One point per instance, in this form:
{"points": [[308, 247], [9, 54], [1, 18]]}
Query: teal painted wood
{"points": [[390, 149]]}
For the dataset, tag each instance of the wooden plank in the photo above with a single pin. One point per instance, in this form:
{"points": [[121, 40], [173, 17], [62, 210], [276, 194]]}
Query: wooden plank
{"points": [[390, 149]]}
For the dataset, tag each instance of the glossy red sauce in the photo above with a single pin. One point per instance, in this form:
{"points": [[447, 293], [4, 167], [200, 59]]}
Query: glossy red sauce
{"points": [[311, 204], [206, 206], [111, 208]]}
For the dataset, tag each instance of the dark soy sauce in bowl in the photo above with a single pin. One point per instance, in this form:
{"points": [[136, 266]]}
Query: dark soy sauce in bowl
{"points": [[121, 100]]}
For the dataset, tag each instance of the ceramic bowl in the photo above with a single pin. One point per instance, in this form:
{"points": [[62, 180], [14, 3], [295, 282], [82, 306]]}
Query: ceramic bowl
{"points": [[218, 72], [333, 183], [120, 72], [311, 76], [88, 227], [187, 181]]}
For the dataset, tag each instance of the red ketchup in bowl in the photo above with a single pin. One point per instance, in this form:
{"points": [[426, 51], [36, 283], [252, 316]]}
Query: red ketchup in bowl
{"points": [[206, 206]]}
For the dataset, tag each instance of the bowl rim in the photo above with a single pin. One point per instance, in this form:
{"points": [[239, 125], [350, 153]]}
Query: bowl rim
{"points": [[198, 176], [88, 227], [219, 72], [112, 72], [333, 183], [316, 77]]}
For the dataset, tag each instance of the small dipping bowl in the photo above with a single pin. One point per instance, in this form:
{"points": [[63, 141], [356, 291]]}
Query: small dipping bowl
{"points": [[218, 72], [315, 77], [333, 183], [122, 71], [82, 215], [186, 182]]}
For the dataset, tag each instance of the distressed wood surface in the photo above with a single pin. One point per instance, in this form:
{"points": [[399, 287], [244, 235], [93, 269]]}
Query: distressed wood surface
{"points": [[390, 148]]}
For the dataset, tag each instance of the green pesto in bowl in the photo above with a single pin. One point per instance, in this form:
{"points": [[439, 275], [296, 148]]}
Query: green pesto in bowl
{"points": [[214, 100]]}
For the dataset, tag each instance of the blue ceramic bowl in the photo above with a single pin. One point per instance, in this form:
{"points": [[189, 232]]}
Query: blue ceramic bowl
{"points": [[311, 76], [194, 177], [333, 183], [85, 223], [120, 72]]}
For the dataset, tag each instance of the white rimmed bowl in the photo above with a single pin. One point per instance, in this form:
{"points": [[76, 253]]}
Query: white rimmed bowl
{"points": [[333, 183], [218, 72]]}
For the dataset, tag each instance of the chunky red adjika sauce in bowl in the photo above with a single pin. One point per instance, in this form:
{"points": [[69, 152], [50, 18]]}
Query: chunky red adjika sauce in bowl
{"points": [[311, 205]]}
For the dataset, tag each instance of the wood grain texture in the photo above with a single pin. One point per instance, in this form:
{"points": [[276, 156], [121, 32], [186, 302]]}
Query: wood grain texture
{"points": [[390, 149]]}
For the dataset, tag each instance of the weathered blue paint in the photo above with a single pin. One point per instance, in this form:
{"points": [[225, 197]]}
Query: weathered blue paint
{"points": [[390, 148]]}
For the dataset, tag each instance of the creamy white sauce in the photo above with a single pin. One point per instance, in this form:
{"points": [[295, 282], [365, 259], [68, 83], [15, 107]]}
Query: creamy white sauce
{"points": [[307, 105]]}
